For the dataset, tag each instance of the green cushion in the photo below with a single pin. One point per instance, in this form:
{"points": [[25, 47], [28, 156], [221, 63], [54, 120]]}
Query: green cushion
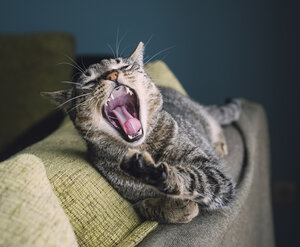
{"points": [[29, 64], [30, 213]]}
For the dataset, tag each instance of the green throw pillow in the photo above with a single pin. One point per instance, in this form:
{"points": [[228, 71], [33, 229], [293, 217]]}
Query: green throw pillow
{"points": [[29, 64], [30, 213]]}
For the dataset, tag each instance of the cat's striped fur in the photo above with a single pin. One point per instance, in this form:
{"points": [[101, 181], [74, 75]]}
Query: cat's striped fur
{"points": [[176, 167]]}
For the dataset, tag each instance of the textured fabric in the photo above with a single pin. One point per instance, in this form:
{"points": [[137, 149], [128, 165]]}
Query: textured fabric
{"points": [[30, 213], [248, 222], [29, 64]]}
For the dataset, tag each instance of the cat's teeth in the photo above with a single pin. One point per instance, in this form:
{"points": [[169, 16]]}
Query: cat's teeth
{"points": [[128, 91], [140, 132], [112, 97], [130, 137]]}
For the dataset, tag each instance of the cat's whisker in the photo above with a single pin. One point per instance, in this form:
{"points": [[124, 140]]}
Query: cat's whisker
{"points": [[82, 103], [112, 50], [150, 38], [119, 44], [91, 124], [73, 65], [164, 57], [155, 55], [123, 50], [74, 76], [71, 82], [82, 63], [157, 80], [79, 96], [74, 62]]}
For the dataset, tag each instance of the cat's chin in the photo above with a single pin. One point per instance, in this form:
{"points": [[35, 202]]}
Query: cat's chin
{"points": [[122, 112]]}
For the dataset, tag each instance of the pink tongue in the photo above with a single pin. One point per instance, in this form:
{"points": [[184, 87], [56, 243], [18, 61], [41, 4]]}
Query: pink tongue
{"points": [[130, 124]]}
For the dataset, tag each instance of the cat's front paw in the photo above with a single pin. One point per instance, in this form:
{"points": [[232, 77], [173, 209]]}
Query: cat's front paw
{"points": [[141, 166]]}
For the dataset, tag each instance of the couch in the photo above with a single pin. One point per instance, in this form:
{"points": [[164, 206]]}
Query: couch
{"points": [[51, 196]]}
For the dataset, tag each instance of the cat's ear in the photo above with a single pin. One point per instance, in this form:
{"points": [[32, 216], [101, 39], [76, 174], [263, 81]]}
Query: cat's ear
{"points": [[138, 54], [61, 98]]}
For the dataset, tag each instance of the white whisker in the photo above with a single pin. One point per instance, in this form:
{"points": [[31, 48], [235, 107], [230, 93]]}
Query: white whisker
{"points": [[119, 44], [74, 66], [82, 63], [155, 55], [81, 103], [111, 49], [72, 99], [117, 50], [124, 49], [150, 38], [74, 62], [74, 76], [71, 82]]}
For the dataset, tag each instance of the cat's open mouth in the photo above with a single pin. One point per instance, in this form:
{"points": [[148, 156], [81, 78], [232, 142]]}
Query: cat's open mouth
{"points": [[122, 111]]}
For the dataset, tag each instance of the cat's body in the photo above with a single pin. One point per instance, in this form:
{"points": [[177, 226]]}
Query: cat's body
{"points": [[156, 147]]}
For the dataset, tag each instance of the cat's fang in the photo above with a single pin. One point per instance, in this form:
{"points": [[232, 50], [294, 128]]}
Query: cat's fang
{"points": [[140, 132], [130, 137], [128, 91]]}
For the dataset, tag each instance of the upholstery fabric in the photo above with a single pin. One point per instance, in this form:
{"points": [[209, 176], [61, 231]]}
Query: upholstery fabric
{"points": [[30, 213], [30, 64], [248, 222]]}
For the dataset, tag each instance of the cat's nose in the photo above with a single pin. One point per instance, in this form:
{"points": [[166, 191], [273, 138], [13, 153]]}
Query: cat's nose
{"points": [[113, 76]]}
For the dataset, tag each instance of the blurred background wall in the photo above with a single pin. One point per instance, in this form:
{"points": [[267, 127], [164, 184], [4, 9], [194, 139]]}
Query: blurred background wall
{"points": [[217, 49]]}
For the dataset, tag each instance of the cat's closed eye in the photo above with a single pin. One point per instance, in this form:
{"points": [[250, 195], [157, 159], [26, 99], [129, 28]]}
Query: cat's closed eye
{"points": [[90, 83], [126, 67]]}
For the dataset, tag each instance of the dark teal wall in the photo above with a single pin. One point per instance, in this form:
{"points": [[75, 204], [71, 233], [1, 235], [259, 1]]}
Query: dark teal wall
{"points": [[222, 48], [228, 43]]}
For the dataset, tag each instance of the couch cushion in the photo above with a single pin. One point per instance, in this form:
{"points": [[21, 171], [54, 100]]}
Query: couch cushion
{"points": [[30, 213], [29, 64]]}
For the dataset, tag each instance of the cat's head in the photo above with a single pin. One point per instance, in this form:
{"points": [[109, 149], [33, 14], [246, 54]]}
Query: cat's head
{"points": [[113, 99]]}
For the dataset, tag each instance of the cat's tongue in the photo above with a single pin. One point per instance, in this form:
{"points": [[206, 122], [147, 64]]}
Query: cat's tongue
{"points": [[129, 124]]}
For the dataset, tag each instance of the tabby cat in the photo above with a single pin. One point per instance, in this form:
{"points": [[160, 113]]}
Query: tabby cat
{"points": [[159, 149]]}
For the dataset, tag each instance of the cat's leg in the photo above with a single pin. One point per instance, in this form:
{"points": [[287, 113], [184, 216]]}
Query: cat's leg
{"points": [[222, 115], [226, 113], [203, 182], [168, 210], [216, 136]]}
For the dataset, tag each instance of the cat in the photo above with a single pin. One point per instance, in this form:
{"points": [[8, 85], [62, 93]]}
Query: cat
{"points": [[159, 149]]}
